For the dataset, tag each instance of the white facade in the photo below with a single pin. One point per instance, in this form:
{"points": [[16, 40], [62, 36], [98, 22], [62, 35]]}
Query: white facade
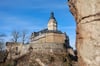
{"points": [[52, 25]]}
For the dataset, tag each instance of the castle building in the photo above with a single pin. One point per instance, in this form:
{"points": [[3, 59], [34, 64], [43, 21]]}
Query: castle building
{"points": [[46, 41], [51, 34]]}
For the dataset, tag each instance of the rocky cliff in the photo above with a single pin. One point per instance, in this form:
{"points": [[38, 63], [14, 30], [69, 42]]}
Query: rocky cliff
{"points": [[47, 54], [42, 59], [87, 15]]}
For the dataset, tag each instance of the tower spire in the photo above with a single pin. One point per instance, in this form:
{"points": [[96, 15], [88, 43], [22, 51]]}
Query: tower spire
{"points": [[52, 24], [52, 15]]}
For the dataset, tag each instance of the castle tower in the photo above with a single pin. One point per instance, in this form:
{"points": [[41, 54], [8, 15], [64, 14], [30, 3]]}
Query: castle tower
{"points": [[52, 24]]}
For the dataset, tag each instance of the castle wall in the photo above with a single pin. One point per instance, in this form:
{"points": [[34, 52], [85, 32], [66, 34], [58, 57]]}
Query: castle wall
{"points": [[45, 43], [35, 47], [49, 38], [48, 47], [16, 50]]}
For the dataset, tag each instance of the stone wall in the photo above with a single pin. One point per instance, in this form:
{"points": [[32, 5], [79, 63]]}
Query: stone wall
{"points": [[16, 50], [48, 47], [87, 15], [49, 38], [38, 47]]}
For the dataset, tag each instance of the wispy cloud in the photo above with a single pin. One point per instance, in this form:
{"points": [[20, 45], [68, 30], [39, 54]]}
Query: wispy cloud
{"points": [[32, 4], [9, 23], [32, 15]]}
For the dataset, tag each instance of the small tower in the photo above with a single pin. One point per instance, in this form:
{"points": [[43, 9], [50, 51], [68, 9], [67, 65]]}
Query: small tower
{"points": [[52, 24]]}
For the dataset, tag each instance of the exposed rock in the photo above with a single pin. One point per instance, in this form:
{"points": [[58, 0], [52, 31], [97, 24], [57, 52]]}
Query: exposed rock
{"points": [[42, 59], [87, 15]]}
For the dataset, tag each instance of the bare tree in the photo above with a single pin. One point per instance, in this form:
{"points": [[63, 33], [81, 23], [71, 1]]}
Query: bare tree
{"points": [[24, 36], [15, 36], [2, 41], [1, 45]]}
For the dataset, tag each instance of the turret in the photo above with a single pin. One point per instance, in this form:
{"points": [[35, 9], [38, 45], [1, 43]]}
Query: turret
{"points": [[52, 24]]}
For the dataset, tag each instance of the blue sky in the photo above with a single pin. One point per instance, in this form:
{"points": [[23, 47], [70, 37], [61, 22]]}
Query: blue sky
{"points": [[33, 15]]}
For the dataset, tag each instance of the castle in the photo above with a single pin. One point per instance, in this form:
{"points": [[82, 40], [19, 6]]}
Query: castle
{"points": [[49, 35], [50, 40]]}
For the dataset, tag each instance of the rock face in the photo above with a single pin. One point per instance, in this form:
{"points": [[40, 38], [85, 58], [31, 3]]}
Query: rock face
{"points": [[41, 59], [87, 15]]}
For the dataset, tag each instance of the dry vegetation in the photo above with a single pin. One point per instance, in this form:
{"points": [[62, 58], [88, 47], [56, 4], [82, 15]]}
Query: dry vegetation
{"points": [[41, 59]]}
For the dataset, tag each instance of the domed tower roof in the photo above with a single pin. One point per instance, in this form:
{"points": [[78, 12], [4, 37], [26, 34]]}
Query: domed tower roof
{"points": [[52, 17], [52, 24]]}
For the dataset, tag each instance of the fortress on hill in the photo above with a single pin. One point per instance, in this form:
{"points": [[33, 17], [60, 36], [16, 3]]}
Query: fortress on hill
{"points": [[50, 40], [51, 34]]}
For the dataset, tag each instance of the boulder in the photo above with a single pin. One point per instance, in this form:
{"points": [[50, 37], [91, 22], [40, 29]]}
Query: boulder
{"points": [[87, 15]]}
